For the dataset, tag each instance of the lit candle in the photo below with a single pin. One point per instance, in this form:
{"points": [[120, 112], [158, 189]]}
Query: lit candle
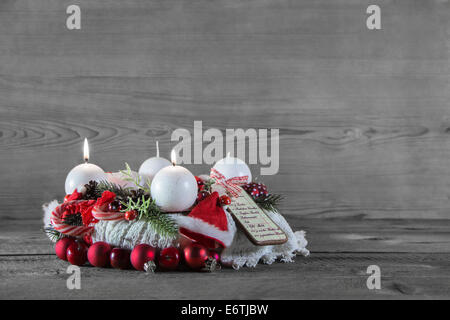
{"points": [[232, 167], [150, 167], [83, 173], [174, 188]]}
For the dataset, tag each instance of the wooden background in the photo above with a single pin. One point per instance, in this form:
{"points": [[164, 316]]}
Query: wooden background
{"points": [[364, 115]]}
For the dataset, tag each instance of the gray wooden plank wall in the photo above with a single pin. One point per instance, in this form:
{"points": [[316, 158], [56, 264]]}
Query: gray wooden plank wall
{"points": [[364, 115]]}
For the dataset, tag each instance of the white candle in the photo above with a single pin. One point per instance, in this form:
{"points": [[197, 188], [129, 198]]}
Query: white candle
{"points": [[232, 167], [83, 173], [174, 188], [150, 167]]}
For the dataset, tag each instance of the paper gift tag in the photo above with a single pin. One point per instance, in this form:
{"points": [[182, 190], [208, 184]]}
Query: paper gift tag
{"points": [[257, 225]]}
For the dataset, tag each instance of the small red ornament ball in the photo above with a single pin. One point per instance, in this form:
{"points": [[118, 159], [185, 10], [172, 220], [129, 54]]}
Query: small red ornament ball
{"points": [[120, 258], [61, 247], [130, 215], [169, 258], [141, 254], [98, 254], [195, 255], [77, 253], [225, 200]]}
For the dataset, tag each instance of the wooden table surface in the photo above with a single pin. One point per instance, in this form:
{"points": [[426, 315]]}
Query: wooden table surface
{"points": [[414, 258]]}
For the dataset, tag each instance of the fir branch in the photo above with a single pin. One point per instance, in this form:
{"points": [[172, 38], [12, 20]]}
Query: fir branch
{"points": [[270, 202], [53, 234], [135, 179], [147, 210], [121, 192]]}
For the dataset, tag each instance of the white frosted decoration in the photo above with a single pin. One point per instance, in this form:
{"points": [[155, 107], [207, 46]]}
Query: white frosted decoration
{"points": [[174, 189], [150, 167], [232, 167], [81, 175], [119, 179]]}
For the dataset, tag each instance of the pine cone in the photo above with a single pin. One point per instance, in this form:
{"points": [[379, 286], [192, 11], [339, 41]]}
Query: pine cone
{"points": [[91, 191]]}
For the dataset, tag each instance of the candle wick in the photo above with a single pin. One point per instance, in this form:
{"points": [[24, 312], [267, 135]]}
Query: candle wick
{"points": [[157, 149]]}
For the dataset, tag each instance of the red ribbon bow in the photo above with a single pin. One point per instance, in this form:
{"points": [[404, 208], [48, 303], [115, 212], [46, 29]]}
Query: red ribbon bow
{"points": [[231, 185]]}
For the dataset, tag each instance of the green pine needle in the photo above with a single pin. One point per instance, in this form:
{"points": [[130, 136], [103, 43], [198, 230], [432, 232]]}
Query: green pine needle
{"points": [[269, 203], [135, 179], [148, 210], [120, 191], [53, 234]]}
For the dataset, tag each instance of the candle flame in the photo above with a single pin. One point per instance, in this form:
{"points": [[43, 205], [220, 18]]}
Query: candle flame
{"points": [[173, 157], [86, 150]]}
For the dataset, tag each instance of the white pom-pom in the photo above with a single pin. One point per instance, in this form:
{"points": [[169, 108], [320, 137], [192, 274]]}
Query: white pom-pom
{"points": [[48, 209]]}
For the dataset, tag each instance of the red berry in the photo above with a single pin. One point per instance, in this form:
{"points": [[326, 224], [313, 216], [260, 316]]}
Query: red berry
{"points": [[114, 206], [120, 258], [142, 254], [225, 200], [130, 215], [98, 254], [256, 190], [77, 253], [61, 247], [195, 255], [169, 258]]}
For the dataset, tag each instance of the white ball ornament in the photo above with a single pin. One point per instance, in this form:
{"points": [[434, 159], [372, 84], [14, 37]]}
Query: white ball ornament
{"points": [[150, 167], [232, 167], [174, 188]]}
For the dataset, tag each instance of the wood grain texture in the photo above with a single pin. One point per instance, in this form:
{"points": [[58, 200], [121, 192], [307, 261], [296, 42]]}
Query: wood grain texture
{"points": [[413, 256], [363, 115]]}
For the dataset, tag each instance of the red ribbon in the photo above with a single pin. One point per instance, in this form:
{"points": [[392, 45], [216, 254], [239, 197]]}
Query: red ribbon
{"points": [[231, 185]]}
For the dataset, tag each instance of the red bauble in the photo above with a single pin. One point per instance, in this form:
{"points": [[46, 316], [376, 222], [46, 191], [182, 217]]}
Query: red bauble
{"points": [[195, 255], [98, 254], [142, 254], [130, 215], [169, 258], [61, 247], [225, 200], [120, 258], [77, 253]]}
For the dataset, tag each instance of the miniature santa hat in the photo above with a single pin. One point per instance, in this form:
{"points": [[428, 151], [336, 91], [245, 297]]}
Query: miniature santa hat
{"points": [[208, 224]]}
